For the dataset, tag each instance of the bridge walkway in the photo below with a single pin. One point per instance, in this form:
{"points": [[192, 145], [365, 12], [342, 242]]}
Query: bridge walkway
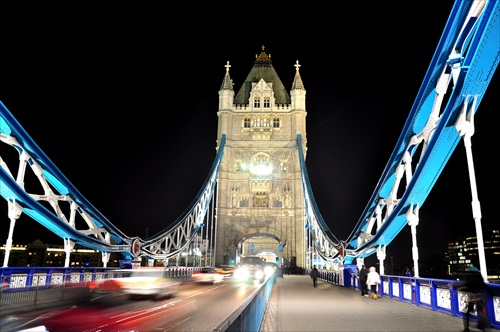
{"points": [[295, 305]]}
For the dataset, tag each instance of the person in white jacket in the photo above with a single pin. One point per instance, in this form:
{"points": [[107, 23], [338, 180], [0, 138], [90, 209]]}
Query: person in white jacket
{"points": [[372, 281]]}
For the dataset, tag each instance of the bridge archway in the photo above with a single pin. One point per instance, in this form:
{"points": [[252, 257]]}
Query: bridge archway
{"points": [[267, 243], [250, 232]]}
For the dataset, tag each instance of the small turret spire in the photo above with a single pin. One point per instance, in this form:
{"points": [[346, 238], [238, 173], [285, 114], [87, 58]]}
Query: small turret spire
{"points": [[227, 83], [297, 81]]}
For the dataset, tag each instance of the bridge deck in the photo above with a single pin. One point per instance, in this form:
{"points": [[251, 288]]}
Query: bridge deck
{"points": [[295, 305]]}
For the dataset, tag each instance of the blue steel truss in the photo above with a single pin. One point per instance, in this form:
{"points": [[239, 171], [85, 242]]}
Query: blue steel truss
{"points": [[463, 65], [80, 222], [461, 69]]}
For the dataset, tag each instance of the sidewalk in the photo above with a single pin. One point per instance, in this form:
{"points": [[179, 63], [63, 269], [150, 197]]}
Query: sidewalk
{"points": [[295, 305]]}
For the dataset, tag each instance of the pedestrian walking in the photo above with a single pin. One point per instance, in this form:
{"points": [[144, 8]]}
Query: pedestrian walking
{"points": [[476, 290], [372, 281], [363, 274], [314, 275]]}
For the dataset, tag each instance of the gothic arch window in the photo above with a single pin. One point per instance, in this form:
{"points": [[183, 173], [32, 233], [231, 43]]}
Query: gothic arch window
{"points": [[267, 102], [277, 203], [259, 122], [261, 200], [244, 202], [256, 102], [261, 164]]}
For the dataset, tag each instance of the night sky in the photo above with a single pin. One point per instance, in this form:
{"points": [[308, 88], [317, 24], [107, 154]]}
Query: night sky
{"points": [[124, 101]]}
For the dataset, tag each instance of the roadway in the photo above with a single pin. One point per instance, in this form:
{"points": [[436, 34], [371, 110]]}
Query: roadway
{"points": [[194, 307], [295, 305]]}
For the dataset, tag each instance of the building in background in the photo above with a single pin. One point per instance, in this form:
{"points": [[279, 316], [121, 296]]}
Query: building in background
{"points": [[463, 254], [41, 254]]}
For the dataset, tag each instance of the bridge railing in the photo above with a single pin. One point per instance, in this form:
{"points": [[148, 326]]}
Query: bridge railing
{"points": [[250, 314], [435, 294], [31, 286]]}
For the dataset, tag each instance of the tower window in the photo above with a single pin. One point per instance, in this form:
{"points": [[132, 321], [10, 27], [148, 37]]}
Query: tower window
{"points": [[261, 200], [246, 123], [261, 165], [283, 167], [256, 103]]}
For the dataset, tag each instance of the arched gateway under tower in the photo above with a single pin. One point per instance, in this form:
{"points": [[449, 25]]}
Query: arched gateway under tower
{"points": [[260, 204]]}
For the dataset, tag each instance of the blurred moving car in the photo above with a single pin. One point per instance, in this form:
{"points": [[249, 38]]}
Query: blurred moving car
{"points": [[250, 269], [226, 270], [207, 275], [153, 283]]}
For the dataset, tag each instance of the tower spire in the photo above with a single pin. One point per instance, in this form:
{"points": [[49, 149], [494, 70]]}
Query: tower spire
{"points": [[297, 81], [227, 82]]}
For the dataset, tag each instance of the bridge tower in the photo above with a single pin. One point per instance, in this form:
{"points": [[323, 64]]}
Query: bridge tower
{"points": [[260, 205]]}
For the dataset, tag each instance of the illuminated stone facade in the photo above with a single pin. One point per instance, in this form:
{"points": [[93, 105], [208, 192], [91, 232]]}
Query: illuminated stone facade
{"points": [[260, 206]]}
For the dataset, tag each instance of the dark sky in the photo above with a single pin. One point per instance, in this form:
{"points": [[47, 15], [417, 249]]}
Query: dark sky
{"points": [[124, 101]]}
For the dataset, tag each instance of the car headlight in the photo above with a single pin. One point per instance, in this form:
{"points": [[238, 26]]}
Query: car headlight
{"points": [[241, 274]]}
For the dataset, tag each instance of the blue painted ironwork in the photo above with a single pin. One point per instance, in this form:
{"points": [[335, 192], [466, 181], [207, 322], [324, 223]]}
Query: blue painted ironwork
{"points": [[100, 234], [464, 62]]}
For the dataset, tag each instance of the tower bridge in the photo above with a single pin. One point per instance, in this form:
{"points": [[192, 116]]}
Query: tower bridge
{"points": [[257, 196]]}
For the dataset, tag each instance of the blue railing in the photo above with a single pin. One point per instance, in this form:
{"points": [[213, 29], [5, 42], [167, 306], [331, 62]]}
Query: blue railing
{"points": [[434, 294], [29, 286]]}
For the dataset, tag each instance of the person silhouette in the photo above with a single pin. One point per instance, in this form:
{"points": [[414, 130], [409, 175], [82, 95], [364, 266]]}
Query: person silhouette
{"points": [[476, 290], [363, 274], [314, 275]]}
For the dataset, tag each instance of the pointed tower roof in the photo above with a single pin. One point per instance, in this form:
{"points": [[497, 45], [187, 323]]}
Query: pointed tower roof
{"points": [[262, 69], [227, 83], [297, 81]]}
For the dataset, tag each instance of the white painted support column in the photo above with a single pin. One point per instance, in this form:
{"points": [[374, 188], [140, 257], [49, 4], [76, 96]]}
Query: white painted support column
{"points": [[14, 213], [465, 128], [476, 208], [105, 258], [68, 247], [413, 219], [381, 258]]}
